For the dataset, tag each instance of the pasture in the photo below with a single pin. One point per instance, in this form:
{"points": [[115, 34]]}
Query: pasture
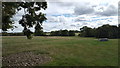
{"points": [[65, 51]]}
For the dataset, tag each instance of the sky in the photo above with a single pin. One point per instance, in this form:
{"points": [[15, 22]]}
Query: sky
{"points": [[66, 14]]}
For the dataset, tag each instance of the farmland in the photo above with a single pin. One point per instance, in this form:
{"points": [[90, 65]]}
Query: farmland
{"points": [[65, 51]]}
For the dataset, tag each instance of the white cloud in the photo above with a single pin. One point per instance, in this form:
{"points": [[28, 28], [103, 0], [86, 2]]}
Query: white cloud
{"points": [[66, 14], [83, 8], [52, 19], [111, 10]]}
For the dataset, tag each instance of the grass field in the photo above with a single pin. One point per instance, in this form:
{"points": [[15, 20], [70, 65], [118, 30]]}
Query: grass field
{"points": [[66, 51]]}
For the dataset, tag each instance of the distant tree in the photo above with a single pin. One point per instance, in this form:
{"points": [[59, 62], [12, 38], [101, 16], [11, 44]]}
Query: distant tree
{"points": [[64, 33], [39, 33], [113, 32], [118, 31], [107, 31], [76, 31], [86, 32], [55, 33], [5, 34], [102, 32], [93, 32], [52, 33], [71, 33], [58, 33]]}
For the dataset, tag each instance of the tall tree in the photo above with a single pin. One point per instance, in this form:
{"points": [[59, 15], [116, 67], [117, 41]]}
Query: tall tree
{"points": [[8, 11], [86, 32], [31, 15], [102, 32], [105, 31], [64, 33], [118, 31], [71, 33]]}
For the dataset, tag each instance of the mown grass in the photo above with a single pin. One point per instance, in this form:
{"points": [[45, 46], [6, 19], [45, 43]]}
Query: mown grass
{"points": [[66, 51]]}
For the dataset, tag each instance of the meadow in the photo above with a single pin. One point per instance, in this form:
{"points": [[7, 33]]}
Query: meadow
{"points": [[65, 51]]}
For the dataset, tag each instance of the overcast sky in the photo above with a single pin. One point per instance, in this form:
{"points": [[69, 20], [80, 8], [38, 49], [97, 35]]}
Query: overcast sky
{"points": [[64, 14]]}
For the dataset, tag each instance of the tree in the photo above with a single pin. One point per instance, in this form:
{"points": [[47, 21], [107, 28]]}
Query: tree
{"points": [[55, 33], [64, 33], [102, 32], [38, 30], [8, 11], [86, 32], [29, 18], [105, 31], [113, 31], [71, 33], [118, 31]]}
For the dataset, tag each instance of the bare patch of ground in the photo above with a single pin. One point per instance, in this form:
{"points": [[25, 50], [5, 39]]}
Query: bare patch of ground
{"points": [[25, 59]]}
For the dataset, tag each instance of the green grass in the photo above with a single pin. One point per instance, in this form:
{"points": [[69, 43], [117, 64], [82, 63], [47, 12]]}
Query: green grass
{"points": [[66, 51]]}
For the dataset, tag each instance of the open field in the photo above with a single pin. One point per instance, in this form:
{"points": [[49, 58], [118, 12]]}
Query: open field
{"points": [[65, 51]]}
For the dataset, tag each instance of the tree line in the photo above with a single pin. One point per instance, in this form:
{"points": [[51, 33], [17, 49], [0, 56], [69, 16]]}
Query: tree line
{"points": [[41, 33], [62, 33], [104, 31]]}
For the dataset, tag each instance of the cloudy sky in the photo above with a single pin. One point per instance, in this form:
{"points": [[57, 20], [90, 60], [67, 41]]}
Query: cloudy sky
{"points": [[66, 14]]}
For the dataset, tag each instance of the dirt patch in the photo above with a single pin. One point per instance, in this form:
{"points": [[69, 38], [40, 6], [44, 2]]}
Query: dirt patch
{"points": [[25, 59]]}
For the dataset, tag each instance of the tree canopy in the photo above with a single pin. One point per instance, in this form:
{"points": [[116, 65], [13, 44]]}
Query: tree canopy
{"points": [[105, 31], [63, 33], [29, 19]]}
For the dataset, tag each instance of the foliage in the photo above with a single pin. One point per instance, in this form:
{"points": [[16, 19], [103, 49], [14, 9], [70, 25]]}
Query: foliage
{"points": [[12, 34], [30, 17], [71, 33], [39, 33], [9, 9], [87, 32], [38, 30], [105, 31], [63, 33], [119, 31]]}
